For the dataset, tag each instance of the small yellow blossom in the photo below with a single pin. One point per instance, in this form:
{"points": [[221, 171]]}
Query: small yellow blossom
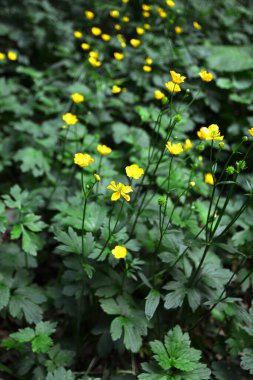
{"points": [[119, 252], [117, 27], [134, 42], [82, 159], [196, 25], [114, 13], [12, 56], [97, 177], [2, 56], [251, 131], [147, 26], [170, 3], [70, 118], [162, 12], [174, 149], [210, 133], [120, 190], [172, 87], [89, 14], [178, 30], [78, 34], [96, 31], [192, 183], [118, 56], [85, 46], [147, 68], [105, 37], [134, 171], [188, 144], [103, 149], [94, 62], [146, 14], [209, 178], [206, 76], [125, 19], [116, 89], [125, 1], [94, 54], [159, 94], [140, 30], [77, 98], [146, 7], [176, 77], [148, 61]]}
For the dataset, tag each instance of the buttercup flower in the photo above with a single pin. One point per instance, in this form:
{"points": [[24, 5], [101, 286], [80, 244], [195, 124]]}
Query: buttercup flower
{"points": [[147, 68], [96, 31], [174, 149], [82, 159], [172, 87], [119, 252], [94, 54], [97, 177], [78, 34], [103, 149], [94, 62], [206, 76], [12, 56], [176, 77], [178, 30], [85, 46], [159, 94], [70, 118], [117, 27], [196, 25], [146, 14], [134, 42], [170, 3], [125, 1], [118, 56], [116, 89], [147, 26], [140, 30], [134, 171], [148, 61], [120, 190], [2, 56], [188, 144], [146, 7], [210, 133], [209, 179], [77, 98], [114, 13], [251, 131], [106, 37], [192, 183], [162, 12], [89, 14]]}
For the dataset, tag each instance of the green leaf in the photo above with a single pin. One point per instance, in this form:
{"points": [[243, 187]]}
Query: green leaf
{"points": [[152, 302], [23, 335], [29, 242], [60, 374], [230, 58], [4, 295], [32, 160], [41, 343], [247, 360]]}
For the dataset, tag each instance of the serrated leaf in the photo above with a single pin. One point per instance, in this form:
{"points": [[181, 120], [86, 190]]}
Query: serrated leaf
{"points": [[152, 302]]}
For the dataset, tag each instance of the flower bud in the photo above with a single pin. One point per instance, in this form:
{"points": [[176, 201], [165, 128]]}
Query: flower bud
{"points": [[240, 165], [165, 100], [230, 170], [178, 118], [161, 201], [200, 147], [221, 145], [245, 138]]}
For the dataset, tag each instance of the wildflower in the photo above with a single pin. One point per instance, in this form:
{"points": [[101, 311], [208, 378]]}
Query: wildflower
{"points": [[170, 3], [116, 89], [210, 133], [119, 252], [117, 27], [70, 118], [97, 177], [172, 87], [147, 68], [114, 13], [192, 183], [103, 149], [134, 42], [176, 77], [147, 26], [148, 61], [12, 56], [251, 131], [77, 98], [178, 30], [94, 62], [125, 1], [94, 54], [196, 25], [78, 34], [134, 171], [2, 56], [221, 145], [146, 7], [159, 94], [85, 46], [125, 19], [89, 14], [209, 179], [119, 190], [118, 56], [96, 31], [140, 30], [188, 144], [162, 13], [206, 76], [83, 160], [106, 37], [174, 149]]}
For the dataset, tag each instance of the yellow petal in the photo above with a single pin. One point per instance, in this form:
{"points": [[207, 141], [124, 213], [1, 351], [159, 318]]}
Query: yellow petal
{"points": [[115, 196], [126, 197]]}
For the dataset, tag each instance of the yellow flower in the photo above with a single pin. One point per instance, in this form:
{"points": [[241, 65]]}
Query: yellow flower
{"points": [[77, 98], [174, 149], [114, 13], [206, 76], [159, 94], [85, 46], [116, 89], [83, 160], [147, 68], [94, 62], [148, 61], [117, 27], [12, 56], [146, 7], [120, 190], [146, 14], [89, 14], [94, 54], [196, 25], [125, 1], [251, 131], [2, 56], [134, 171], [118, 56], [172, 87], [70, 118], [119, 252], [140, 30], [134, 42], [178, 30], [106, 37], [188, 144], [78, 34], [103, 149], [192, 183], [170, 3], [125, 19], [162, 12], [210, 133], [176, 77], [96, 31], [209, 178], [147, 26], [97, 177]]}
